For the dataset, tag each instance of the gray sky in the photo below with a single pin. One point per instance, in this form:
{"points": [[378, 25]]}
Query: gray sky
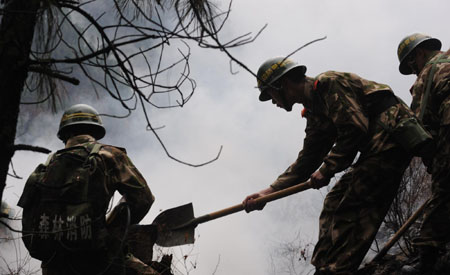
{"points": [[259, 141]]}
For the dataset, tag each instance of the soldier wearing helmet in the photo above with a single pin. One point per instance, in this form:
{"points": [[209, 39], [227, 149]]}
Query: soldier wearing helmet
{"points": [[346, 114], [80, 119], [82, 127], [421, 54]]}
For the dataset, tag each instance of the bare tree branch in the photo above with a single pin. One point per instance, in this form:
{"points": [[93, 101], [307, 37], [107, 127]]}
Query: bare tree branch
{"points": [[25, 147], [126, 55], [54, 74]]}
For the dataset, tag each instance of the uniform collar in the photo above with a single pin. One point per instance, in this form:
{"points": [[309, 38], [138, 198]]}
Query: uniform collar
{"points": [[76, 140], [433, 57], [308, 93]]}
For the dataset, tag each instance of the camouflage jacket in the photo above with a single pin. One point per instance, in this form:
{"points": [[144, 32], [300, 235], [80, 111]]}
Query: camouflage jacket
{"points": [[338, 126], [437, 110], [122, 176]]}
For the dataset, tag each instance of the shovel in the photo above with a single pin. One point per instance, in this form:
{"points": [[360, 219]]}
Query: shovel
{"points": [[176, 226], [400, 232]]}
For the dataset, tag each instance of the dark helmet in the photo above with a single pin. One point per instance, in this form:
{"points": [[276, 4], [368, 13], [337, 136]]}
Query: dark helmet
{"points": [[409, 43], [271, 70], [81, 116]]}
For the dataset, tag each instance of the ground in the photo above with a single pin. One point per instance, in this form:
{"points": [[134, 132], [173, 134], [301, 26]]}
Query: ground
{"points": [[392, 264]]}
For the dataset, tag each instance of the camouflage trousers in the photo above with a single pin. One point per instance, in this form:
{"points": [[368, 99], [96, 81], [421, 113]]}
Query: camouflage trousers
{"points": [[435, 227], [355, 208]]}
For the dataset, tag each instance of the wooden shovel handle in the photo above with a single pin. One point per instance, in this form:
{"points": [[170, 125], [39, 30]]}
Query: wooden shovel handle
{"points": [[268, 198]]}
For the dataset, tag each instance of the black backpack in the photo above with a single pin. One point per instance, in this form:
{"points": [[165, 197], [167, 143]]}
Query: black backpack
{"points": [[63, 209]]}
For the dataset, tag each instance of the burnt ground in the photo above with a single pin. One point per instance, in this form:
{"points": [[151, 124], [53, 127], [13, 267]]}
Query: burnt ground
{"points": [[141, 239], [392, 264]]}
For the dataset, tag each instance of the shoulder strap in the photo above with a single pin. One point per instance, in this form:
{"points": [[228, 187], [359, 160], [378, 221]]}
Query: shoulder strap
{"points": [[95, 149], [49, 159], [429, 82], [92, 148]]}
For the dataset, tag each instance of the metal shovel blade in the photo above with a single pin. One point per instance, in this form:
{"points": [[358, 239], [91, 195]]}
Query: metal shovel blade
{"points": [[176, 226], [168, 223]]}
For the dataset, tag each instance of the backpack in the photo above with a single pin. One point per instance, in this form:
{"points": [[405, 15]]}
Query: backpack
{"points": [[62, 211]]}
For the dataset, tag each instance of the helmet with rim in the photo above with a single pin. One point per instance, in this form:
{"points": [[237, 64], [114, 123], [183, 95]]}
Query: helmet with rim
{"points": [[81, 116], [272, 70], [409, 43]]}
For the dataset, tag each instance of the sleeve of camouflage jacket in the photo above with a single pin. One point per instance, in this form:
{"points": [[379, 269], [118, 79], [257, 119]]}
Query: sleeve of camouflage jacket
{"points": [[351, 124], [320, 136], [126, 179]]}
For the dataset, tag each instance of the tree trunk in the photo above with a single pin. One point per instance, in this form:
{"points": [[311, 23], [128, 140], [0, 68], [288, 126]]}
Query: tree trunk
{"points": [[16, 36]]}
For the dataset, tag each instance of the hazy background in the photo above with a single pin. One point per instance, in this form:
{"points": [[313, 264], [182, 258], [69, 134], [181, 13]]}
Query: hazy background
{"points": [[259, 141]]}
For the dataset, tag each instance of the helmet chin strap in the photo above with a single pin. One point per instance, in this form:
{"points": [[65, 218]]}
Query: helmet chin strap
{"points": [[307, 98], [414, 69], [284, 100]]}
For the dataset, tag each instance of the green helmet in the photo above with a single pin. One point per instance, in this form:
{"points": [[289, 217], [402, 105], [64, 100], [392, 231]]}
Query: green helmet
{"points": [[271, 70], [408, 44], [81, 116]]}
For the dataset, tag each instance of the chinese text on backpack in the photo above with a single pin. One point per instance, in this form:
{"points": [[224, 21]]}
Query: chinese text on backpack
{"points": [[61, 209]]}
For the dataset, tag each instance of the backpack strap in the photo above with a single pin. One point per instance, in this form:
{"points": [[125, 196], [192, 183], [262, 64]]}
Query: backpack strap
{"points": [[429, 81], [49, 159], [95, 149]]}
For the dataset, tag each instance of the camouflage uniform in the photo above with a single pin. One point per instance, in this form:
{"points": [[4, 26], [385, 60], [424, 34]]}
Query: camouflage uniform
{"points": [[347, 115], [122, 176], [436, 117]]}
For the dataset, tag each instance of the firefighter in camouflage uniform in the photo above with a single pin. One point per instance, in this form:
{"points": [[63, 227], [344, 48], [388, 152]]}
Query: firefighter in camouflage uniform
{"points": [[80, 128], [420, 54], [345, 114]]}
